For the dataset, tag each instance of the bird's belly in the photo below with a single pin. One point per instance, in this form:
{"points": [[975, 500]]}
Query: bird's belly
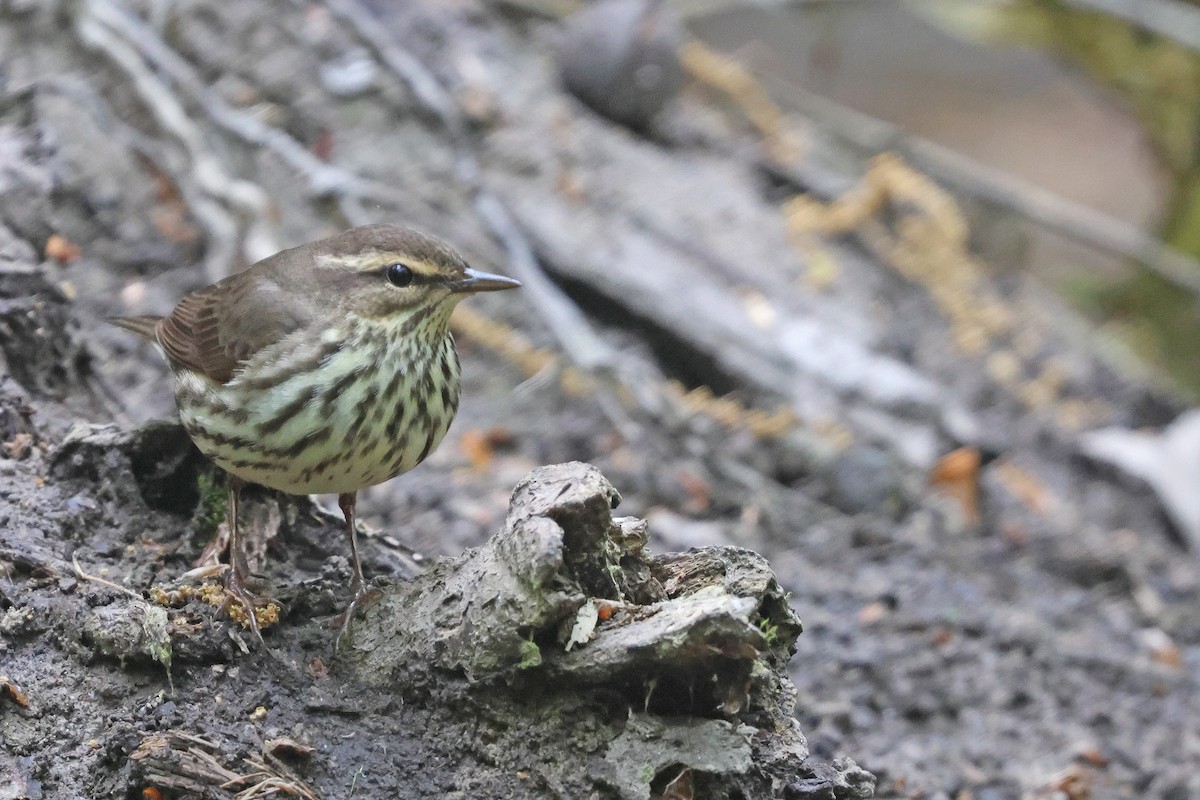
{"points": [[341, 428]]}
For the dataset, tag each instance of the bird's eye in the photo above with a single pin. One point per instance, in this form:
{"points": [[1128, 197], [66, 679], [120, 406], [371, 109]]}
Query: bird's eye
{"points": [[399, 275]]}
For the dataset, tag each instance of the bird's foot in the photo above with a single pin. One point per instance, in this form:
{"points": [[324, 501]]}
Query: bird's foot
{"points": [[249, 608], [364, 597]]}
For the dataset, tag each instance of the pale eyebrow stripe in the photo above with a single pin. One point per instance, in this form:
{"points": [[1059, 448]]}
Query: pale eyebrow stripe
{"points": [[374, 261]]}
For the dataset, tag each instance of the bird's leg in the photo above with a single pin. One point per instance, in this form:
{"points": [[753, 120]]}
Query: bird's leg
{"points": [[347, 503], [358, 584], [239, 572]]}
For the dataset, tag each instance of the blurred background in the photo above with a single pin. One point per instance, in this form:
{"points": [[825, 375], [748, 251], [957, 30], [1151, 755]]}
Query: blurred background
{"points": [[1092, 102], [902, 295]]}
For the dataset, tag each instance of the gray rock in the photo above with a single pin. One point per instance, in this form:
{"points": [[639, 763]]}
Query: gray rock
{"points": [[619, 58]]}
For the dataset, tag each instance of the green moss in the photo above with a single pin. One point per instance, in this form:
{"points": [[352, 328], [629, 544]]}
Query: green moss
{"points": [[770, 631], [531, 655], [214, 502], [1159, 321]]}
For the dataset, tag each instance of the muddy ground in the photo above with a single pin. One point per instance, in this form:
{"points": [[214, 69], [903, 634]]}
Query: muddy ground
{"points": [[1041, 641]]}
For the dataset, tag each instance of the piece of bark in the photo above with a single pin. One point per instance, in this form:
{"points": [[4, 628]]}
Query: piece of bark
{"points": [[500, 607]]}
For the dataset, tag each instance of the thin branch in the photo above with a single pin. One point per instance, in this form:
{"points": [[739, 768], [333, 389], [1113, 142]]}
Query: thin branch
{"points": [[581, 344], [423, 84], [323, 179], [1046, 209], [87, 578], [206, 172]]}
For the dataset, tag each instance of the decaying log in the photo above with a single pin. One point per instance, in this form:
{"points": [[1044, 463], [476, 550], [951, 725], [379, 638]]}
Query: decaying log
{"points": [[567, 600]]}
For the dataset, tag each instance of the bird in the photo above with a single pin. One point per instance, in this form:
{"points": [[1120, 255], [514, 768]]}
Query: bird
{"points": [[324, 369]]}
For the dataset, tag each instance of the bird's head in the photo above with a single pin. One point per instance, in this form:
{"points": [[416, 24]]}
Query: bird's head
{"points": [[389, 275]]}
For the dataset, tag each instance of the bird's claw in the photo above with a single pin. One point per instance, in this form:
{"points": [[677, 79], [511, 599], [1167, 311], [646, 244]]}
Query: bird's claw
{"points": [[364, 598], [251, 603]]}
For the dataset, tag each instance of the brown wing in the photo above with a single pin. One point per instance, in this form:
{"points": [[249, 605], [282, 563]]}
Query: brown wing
{"points": [[216, 329], [146, 327]]}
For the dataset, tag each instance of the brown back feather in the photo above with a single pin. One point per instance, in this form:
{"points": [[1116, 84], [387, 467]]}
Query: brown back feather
{"points": [[217, 329]]}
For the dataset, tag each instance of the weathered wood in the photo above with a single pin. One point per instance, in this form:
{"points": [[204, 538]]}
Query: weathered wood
{"points": [[701, 639]]}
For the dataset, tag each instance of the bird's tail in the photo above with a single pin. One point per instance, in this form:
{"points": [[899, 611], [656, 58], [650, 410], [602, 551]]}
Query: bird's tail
{"points": [[146, 326]]}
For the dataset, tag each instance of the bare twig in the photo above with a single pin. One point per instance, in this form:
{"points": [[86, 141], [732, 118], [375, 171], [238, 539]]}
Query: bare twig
{"points": [[273, 778], [83, 576], [125, 31], [323, 179], [1075, 221], [206, 171], [581, 344], [192, 765], [423, 84]]}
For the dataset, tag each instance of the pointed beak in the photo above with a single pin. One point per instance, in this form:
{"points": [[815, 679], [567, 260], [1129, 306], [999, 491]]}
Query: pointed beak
{"points": [[476, 281]]}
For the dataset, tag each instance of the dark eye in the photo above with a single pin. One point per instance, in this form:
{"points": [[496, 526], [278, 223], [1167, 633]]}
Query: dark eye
{"points": [[399, 275]]}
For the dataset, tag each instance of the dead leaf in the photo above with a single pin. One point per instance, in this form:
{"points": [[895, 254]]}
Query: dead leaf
{"points": [[1025, 487], [699, 493], [61, 249], [681, 788], [284, 746], [570, 186], [1092, 756], [19, 446], [475, 446], [479, 105], [1014, 534], [166, 192], [942, 636], [318, 670], [171, 222], [957, 474], [323, 146], [480, 446], [10, 690], [1161, 647]]}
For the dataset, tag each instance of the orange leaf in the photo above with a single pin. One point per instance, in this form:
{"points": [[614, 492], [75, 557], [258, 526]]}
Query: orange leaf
{"points": [[61, 249], [477, 448], [957, 475], [11, 691]]}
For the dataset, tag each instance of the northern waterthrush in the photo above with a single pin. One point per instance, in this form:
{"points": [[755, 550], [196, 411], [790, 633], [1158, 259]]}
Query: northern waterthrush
{"points": [[326, 368]]}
